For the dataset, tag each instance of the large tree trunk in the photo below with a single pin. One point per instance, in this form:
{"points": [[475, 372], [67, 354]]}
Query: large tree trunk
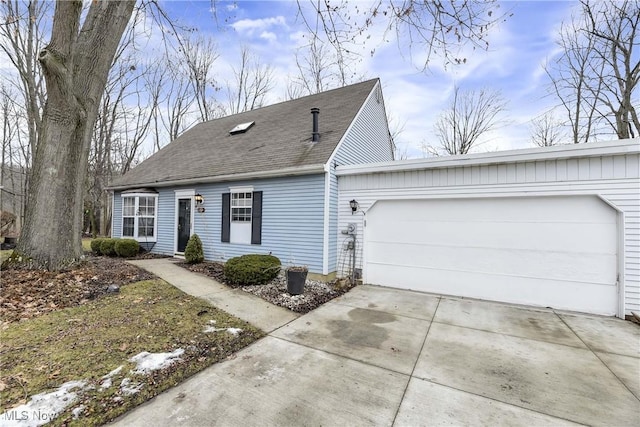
{"points": [[75, 65]]}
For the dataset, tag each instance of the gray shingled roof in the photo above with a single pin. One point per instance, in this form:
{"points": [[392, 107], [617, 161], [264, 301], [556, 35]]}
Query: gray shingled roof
{"points": [[280, 139]]}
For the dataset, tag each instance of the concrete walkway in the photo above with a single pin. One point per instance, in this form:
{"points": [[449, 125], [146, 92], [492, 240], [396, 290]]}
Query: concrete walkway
{"points": [[380, 356], [251, 308]]}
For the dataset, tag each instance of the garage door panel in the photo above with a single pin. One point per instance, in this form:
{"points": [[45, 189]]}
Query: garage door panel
{"points": [[526, 263], [549, 251], [544, 209], [597, 299], [573, 238]]}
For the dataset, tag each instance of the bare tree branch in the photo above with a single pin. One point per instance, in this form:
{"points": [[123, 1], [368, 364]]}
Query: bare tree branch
{"points": [[430, 28], [469, 116], [546, 130], [596, 77]]}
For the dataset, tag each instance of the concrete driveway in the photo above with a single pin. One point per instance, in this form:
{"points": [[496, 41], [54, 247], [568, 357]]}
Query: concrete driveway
{"points": [[380, 356]]}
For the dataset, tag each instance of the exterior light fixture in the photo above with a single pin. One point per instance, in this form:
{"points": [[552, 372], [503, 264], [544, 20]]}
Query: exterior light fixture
{"points": [[199, 199], [354, 206]]}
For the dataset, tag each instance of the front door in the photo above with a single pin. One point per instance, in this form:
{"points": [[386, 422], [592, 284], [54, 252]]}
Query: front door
{"points": [[184, 223]]}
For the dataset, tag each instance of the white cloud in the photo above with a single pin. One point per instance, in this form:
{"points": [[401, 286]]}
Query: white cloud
{"points": [[251, 26], [299, 37], [269, 36]]}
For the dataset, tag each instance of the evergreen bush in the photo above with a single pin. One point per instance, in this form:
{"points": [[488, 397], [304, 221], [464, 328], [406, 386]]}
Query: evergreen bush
{"points": [[108, 246], [127, 248], [95, 245], [193, 253], [253, 269]]}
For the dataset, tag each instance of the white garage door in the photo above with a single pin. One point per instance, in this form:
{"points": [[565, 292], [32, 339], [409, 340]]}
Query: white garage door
{"points": [[555, 252]]}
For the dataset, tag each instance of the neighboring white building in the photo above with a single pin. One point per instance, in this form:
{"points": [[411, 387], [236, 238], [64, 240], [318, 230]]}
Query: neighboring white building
{"points": [[553, 227]]}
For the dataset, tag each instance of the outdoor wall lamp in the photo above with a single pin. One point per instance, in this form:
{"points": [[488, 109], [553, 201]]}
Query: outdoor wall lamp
{"points": [[199, 199], [354, 206]]}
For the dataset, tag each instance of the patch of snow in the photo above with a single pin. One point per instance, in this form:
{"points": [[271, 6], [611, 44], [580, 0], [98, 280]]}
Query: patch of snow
{"points": [[114, 372], [77, 411], [212, 321], [105, 384], [232, 331], [43, 407], [128, 388], [106, 380], [147, 362]]}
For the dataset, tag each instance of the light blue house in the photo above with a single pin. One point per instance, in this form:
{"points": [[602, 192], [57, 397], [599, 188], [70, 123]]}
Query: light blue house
{"points": [[262, 181]]}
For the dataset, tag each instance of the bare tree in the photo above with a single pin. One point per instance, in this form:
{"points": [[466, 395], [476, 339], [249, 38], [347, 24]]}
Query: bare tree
{"points": [[614, 26], [469, 115], [76, 63], [252, 81], [10, 194], [199, 56], [574, 79], [546, 130], [177, 104], [21, 38], [314, 65], [122, 125], [597, 74], [320, 67]]}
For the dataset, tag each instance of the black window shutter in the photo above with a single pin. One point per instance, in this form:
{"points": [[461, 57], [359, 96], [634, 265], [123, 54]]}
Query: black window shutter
{"points": [[256, 218], [226, 220]]}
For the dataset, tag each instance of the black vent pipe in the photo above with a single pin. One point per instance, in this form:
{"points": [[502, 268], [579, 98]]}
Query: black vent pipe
{"points": [[315, 134]]}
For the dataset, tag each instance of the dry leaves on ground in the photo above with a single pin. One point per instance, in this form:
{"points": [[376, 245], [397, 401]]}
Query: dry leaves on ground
{"points": [[27, 293]]}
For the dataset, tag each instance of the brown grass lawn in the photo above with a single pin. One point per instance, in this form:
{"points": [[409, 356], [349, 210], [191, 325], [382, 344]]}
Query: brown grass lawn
{"points": [[87, 342]]}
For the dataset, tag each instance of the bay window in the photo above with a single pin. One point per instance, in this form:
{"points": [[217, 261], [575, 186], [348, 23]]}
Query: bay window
{"points": [[139, 216]]}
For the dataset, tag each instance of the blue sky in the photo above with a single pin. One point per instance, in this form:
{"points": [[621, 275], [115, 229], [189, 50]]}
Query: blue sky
{"points": [[513, 64]]}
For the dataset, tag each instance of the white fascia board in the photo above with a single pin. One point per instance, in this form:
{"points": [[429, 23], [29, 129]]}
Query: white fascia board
{"points": [[593, 149], [292, 171]]}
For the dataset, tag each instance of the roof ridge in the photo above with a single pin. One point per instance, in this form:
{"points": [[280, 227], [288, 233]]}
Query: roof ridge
{"points": [[323, 93]]}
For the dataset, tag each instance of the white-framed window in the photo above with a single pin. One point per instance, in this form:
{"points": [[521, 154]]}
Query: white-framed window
{"points": [[240, 211], [139, 216], [241, 206]]}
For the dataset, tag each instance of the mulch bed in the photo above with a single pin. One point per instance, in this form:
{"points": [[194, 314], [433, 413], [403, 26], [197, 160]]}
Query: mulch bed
{"points": [[315, 292], [27, 293]]}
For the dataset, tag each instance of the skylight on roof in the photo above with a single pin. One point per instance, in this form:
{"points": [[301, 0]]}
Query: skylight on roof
{"points": [[241, 128]]}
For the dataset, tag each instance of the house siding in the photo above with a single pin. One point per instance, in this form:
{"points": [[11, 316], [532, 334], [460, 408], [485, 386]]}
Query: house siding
{"points": [[166, 222], [292, 220], [615, 178], [366, 141]]}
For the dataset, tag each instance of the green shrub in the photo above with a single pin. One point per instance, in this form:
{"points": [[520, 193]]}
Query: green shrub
{"points": [[108, 247], [127, 247], [193, 253], [95, 245], [251, 269]]}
